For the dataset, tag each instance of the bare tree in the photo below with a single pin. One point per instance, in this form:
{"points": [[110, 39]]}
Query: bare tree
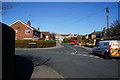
{"points": [[79, 37], [116, 27], [115, 23], [52, 36], [6, 6]]}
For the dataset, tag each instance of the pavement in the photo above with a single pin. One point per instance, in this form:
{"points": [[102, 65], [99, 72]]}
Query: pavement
{"points": [[44, 71]]}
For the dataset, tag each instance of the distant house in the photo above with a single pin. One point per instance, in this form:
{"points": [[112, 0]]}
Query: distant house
{"points": [[76, 35], [85, 36], [63, 36], [58, 37], [97, 33], [45, 35], [93, 36], [114, 31], [67, 35], [25, 31]]}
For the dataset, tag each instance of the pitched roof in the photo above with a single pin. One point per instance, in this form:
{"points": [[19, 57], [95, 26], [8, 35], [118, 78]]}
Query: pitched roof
{"points": [[25, 25], [46, 33], [84, 35], [22, 23], [35, 29], [95, 32], [76, 34], [58, 35], [64, 34]]}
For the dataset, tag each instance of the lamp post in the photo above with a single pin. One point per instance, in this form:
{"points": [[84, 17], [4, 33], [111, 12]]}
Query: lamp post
{"points": [[107, 16]]}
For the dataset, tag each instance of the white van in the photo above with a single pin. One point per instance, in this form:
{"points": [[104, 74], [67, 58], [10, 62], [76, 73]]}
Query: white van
{"points": [[109, 48]]}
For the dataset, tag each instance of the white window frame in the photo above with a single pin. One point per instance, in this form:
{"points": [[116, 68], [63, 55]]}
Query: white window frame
{"points": [[27, 38], [27, 33]]}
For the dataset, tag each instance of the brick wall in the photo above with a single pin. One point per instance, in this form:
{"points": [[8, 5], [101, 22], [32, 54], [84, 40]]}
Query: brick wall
{"points": [[93, 36], [21, 31]]}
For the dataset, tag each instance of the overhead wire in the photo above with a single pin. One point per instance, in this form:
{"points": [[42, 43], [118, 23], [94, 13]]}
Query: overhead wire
{"points": [[91, 15]]}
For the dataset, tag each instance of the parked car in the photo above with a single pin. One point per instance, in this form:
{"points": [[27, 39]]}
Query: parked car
{"points": [[73, 42], [109, 48]]}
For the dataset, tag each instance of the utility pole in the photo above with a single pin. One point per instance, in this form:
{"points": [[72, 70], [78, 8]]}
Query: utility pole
{"points": [[107, 11]]}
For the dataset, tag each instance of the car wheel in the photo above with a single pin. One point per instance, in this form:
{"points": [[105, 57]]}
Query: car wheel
{"points": [[106, 55]]}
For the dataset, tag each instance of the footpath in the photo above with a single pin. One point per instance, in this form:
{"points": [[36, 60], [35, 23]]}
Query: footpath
{"points": [[44, 71]]}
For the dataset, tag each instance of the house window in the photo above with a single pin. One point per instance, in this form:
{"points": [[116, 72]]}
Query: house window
{"points": [[27, 31], [56, 36], [16, 31], [18, 27]]}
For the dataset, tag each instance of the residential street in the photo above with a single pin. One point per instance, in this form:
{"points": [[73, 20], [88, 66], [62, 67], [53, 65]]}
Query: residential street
{"points": [[73, 62]]}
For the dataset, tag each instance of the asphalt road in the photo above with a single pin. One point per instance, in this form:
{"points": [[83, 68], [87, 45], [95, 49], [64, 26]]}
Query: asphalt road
{"points": [[73, 62]]}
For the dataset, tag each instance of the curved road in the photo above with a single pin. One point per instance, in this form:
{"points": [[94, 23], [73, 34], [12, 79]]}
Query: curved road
{"points": [[73, 62]]}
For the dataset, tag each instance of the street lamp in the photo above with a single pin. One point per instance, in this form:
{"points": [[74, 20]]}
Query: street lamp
{"points": [[107, 11]]}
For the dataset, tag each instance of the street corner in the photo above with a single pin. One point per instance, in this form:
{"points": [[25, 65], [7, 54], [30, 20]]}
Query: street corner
{"points": [[45, 72]]}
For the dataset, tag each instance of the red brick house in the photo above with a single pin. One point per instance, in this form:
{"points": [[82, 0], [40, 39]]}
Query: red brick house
{"points": [[25, 31]]}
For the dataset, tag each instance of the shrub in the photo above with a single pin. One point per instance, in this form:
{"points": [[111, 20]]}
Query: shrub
{"points": [[39, 43]]}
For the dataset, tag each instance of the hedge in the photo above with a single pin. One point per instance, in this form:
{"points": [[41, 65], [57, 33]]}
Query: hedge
{"points": [[38, 44], [91, 46]]}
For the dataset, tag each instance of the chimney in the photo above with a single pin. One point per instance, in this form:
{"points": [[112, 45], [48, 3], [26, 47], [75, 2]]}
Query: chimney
{"points": [[38, 29], [28, 23]]}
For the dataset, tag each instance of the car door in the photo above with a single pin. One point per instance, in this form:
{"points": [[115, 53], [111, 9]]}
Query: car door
{"points": [[101, 47], [97, 49]]}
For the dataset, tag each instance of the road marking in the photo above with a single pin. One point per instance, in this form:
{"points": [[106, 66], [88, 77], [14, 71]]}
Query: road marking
{"points": [[114, 60], [91, 56], [78, 54], [72, 53], [96, 57], [84, 55], [87, 55], [74, 50]]}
